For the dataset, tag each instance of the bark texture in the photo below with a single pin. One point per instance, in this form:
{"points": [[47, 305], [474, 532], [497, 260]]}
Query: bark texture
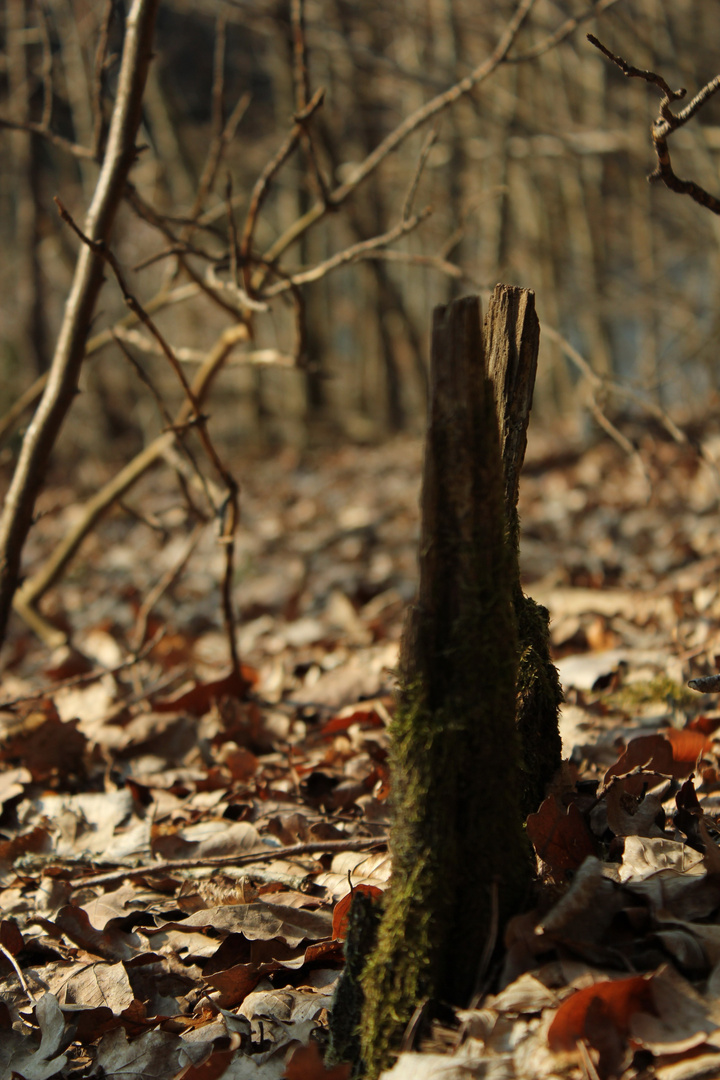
{"points": [[512, 336], [460, 857]]}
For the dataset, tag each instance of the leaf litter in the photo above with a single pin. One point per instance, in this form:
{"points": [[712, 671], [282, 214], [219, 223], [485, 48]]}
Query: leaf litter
{"points": [[178, 847]]}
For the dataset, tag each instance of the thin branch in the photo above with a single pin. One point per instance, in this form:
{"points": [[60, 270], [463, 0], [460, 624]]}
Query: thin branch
{"points": [[262, 184], [87, 280], [14, 964], [301, 80], [354, 252], [87, 677], [99, 125], [397, 136], [46, 70], [57, 140], [168, 579], [421, 163], [36, 586], [228, 512], [631, 72], [169, 866], [666, 123], [561, 34]]}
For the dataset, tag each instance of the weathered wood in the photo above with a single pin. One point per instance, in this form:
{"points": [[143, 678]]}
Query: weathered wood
{"points": [[512, 337], [459, 854]]}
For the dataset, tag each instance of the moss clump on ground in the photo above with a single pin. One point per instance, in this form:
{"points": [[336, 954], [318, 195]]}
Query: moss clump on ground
{"points": [[661, 689]]}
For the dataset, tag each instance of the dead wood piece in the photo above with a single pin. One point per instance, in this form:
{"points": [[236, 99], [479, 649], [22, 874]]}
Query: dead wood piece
{"points": [[468, 683]]}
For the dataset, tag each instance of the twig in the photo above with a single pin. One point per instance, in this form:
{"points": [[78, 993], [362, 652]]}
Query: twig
{"points": [[87, 280], [36, 586], [223, 133], [421, 162], [163, 298], [563, 31], [145, 379], [171, 865], [397, 136], [46, 70], [666, 123], [301, 80], [11, 960], [354, 252], [605, 385], [166, 581], [262, 184], [60, 141], [136, 307], [99, 125], [88, 676]]}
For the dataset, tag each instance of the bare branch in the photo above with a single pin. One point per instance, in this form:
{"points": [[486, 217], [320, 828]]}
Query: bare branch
{"points": [[87, 281], [262, 184], [668, 122], [57, 140], [421, 163], [263, 855], [99, 126], [398, 135], [352, 254], [36, 586], [561, 34]]}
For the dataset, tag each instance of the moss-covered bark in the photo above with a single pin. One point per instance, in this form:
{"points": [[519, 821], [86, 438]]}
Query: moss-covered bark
{"points": [[539, 696], [457, 836]]}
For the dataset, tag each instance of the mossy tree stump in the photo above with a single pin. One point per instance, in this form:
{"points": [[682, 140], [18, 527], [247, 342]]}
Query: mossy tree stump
{"points": [[460, 857]]}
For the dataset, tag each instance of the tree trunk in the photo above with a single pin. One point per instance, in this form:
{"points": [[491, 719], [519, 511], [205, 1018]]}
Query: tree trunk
{"points": [[460, 857]]}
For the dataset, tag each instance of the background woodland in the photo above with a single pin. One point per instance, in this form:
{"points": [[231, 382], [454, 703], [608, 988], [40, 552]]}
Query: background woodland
{"points": [[536, 177]]}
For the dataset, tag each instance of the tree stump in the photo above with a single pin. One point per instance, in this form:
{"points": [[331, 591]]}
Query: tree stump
{"points": [[461, 862]]}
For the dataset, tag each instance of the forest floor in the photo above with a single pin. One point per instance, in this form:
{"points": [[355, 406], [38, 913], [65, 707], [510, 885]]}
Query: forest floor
{"points": [[175, 858]]}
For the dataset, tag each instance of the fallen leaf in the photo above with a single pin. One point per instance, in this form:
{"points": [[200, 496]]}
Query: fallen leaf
{"points": [[200, 698], [307, 1063], [561, 838], [616, 1000], [341, 912]]}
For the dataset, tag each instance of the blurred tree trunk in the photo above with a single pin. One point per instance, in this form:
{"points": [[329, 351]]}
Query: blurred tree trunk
{"points": [[33, 337]]}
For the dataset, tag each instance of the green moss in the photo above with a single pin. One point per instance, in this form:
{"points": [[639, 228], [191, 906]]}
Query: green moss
{"points": [[344, 1021], [661, 689], [539, 696], [457, 836]]}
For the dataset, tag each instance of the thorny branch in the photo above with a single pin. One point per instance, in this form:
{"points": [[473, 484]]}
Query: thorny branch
{"points": [[668, 122]]}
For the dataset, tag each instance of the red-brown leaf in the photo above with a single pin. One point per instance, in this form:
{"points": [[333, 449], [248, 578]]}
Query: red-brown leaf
{"points": [[307, 1064], [341, 911], [560, 837], [617, 1001]]}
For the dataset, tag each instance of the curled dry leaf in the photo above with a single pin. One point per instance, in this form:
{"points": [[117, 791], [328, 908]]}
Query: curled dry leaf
{"points": [[616, 1000], [560, 836], [341, 913], [673, 754]]}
